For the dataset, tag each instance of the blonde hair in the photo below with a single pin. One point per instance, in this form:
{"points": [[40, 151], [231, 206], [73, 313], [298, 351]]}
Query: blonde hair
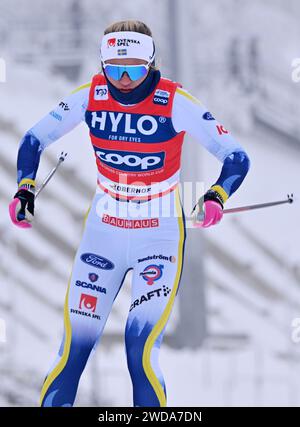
{"points": [[130, 25]]}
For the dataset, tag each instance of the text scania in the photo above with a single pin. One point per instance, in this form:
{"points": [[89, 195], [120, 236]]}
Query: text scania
{"points": [[90, 286], [122, 122]]}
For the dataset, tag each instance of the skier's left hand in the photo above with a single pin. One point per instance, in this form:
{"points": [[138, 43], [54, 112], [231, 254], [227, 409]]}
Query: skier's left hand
{"points": [[209, 210]]}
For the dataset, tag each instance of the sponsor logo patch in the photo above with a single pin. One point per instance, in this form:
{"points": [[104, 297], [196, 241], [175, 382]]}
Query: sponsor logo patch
{"points": [[156, 293], [130, 161], [88, 302], [64, 106], [87, 285], [101, 93], [161, 97], [97, 261], [120, 122], [111, 42], [152, 273], [127, 42], [170, 258], [221, 130], [122, 52], [130, 223], [56, 115], [162, 93], [208, 116], [160, 101], [93, 277]]}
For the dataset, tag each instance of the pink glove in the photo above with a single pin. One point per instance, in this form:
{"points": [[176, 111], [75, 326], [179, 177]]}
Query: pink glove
{"points": [[21, 208], [14, 208], [213, 214]]}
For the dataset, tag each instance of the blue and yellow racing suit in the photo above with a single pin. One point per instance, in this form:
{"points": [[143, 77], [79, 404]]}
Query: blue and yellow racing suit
{"points": [[135, 222]]}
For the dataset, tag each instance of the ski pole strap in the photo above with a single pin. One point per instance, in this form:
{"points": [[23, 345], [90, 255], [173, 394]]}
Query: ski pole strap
{"points": [[215, 193]]}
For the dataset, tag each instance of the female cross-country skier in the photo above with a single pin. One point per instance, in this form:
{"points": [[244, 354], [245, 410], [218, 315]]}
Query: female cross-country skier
{"points": [[137, 121]]}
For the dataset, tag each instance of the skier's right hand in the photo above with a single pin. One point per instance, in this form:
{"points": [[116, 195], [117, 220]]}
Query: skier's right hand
{"points": [[21, 208]]}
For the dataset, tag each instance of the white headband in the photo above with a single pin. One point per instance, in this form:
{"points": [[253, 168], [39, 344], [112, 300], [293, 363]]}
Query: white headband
{"points": [[127, 44]]}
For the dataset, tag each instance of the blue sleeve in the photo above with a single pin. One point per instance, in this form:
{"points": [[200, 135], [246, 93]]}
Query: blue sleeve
{"points": [[191, 115], [28, 157], [65, 117], [234, 170]]}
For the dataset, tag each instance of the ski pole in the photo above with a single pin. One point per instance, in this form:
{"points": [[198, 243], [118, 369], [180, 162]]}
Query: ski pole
{"points": [[51, 173], [289, 199]]}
